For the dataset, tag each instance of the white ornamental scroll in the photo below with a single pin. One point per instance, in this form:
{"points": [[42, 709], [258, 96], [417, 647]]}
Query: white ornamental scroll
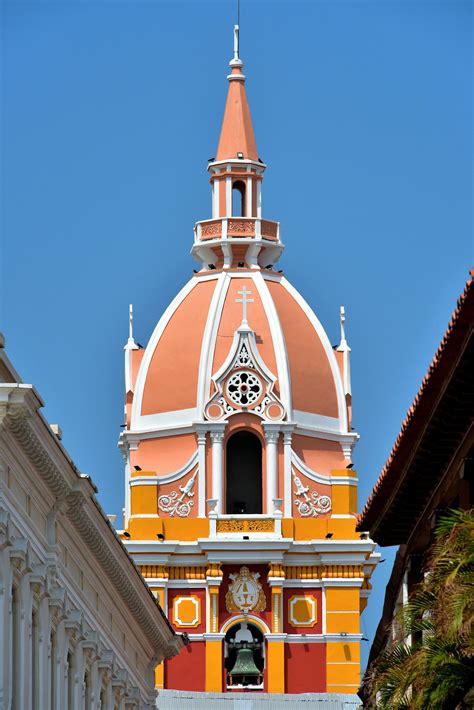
{"points": [[174, 503], [309, 503]]}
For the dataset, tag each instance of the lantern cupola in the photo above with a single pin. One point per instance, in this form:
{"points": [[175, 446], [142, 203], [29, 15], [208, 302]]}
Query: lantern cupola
{"points": [[237, 236]]}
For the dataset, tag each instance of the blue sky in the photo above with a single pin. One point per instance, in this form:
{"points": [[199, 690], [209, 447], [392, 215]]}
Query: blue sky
{"points": [[362, 111]]}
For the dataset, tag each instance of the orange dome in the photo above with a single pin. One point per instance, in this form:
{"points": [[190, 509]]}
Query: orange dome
{"points": [[194, 337]]}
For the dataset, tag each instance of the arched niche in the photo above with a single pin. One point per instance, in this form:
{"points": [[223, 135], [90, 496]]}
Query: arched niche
{"points": [[244, 474], [246, 637], [238, 199]]}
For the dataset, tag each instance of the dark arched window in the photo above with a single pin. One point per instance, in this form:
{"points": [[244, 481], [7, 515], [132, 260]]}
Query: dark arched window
{"points": [[244, 660], [244, 473], [238, 199]]}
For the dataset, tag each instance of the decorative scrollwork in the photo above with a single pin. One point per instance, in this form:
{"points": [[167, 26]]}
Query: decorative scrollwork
{"points": [[312, 504], [211, 229], [243, 358], [173, 503]]}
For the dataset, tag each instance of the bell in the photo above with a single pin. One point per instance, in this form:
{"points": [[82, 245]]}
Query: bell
{"points": [[244, 666]]}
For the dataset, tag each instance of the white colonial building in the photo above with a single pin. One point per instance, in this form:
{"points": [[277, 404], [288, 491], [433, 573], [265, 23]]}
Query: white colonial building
{"points": [[79, 629]]}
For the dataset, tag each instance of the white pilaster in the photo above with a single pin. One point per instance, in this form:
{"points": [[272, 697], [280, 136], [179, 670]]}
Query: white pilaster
{"points": [[201, 438], [217, 439], [287, 436], [272, 432], [5, 624]]}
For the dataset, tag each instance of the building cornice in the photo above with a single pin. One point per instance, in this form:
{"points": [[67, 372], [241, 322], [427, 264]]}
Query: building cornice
{"points": [[19, 416]]}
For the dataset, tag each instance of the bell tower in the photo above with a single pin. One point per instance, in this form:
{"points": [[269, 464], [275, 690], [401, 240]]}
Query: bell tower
{"points": [[241, 499], [236, 236]]}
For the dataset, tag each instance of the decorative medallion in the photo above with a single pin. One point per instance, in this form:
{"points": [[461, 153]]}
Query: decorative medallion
{"points": [[245, 592], [243, 388], [173, 503], [312, 504]]}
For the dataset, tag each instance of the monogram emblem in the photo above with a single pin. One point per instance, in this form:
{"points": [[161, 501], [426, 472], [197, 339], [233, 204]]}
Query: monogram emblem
{"points": [[245, 592]]}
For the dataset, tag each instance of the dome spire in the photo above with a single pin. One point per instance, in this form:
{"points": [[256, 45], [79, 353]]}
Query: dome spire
{"points": [[237, 139]]}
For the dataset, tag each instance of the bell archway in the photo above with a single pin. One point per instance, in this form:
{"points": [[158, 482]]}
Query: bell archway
{"points": [[244, 655], [244, 484]]}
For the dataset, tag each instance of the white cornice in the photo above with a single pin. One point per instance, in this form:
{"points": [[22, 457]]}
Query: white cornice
{"points": [[33, 436]]}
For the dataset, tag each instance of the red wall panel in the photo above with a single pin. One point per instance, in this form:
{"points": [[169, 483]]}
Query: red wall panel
{"points": [[187, 670], [305, 667]]}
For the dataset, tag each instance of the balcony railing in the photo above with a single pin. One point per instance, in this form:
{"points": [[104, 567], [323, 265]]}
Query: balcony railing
{"points": [[237, 228]]}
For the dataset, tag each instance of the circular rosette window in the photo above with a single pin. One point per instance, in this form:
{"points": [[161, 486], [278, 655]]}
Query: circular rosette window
{"points": [[244, 388]]}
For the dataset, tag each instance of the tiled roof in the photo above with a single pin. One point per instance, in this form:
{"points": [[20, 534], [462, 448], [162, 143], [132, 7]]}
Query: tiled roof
{"points": [[415, 418]]}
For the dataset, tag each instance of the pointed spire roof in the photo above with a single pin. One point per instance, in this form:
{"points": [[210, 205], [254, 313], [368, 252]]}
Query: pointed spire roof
{"points": [[237, 134]]}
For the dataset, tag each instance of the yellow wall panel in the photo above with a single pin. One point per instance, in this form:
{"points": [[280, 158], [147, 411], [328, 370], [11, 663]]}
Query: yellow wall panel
{"points": [[342, 673], [145, 528], [214, 666], [276, 667], [342, 599], [314, 529], [185, 529], [344, 499], [343, 652], [143, 499], [338, 622], [340, 688]]}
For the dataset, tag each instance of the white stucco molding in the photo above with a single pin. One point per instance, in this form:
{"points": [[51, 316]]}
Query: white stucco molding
{"points": [[321, 477], [77, 492]]}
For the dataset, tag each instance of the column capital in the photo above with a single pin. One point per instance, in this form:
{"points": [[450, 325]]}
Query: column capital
{"points": [[287, 431], [272, 432], [217, 437]]}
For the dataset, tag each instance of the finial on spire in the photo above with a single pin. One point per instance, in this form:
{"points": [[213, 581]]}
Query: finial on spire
{"points": [[343, 344], [236, 42], [344, 348], [131, 344], [236, 63]]}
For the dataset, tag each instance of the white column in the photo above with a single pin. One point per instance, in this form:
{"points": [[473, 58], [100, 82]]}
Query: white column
{"points": [[79, 677], [249, 198], [287, 434], [44, 655], [215, 201], [201, 438], [217, 438], [228, 196], [259, 198], [5, 625], [25, 643], [271, 449], [60, 667]]}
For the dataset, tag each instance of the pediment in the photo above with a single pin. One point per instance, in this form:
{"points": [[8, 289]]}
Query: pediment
{"points": [[244, 383]]}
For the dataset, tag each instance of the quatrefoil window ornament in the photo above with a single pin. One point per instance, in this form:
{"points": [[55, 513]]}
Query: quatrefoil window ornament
{"points": [[244, 388]]}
